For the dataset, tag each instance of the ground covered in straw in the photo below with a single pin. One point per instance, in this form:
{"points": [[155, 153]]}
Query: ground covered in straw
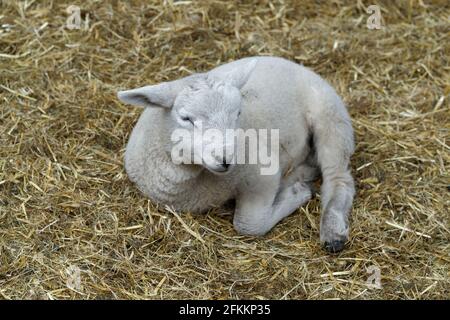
{"points": [[73, 226]]}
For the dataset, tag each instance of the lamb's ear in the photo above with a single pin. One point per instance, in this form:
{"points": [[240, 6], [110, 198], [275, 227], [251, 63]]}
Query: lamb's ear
{"points": [[238, 77], [160, 95]]}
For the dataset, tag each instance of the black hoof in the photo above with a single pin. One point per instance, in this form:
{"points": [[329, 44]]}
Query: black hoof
{"points": [[334, 246]]}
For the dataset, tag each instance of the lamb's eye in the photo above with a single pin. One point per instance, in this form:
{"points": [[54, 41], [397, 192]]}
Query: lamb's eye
{"points": [[187, 119], [239, 113]]}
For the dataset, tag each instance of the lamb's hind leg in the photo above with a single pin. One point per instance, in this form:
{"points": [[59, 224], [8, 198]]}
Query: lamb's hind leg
{"points": [[258, 211], [333, 140]]}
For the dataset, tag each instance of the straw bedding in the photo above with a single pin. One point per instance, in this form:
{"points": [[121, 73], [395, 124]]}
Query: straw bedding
{"points": [[72, 226]]}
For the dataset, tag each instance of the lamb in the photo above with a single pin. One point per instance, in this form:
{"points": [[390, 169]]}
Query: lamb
{"points": [[315, 135]]}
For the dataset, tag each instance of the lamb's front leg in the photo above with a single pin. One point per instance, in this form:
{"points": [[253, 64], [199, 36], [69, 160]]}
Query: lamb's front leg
{"points": [[258, 212]]}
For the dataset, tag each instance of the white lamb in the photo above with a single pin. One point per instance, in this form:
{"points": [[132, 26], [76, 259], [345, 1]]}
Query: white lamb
{"points": [[315, 135]]}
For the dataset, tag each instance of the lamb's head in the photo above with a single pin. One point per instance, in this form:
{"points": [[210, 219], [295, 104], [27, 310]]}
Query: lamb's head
{"points": [[202, 112]]}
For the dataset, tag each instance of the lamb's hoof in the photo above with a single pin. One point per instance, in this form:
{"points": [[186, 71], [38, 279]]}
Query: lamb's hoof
{"points": [[334, 246]]}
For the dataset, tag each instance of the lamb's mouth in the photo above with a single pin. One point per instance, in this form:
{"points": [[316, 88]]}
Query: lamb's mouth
{"points": [[220, 170]]}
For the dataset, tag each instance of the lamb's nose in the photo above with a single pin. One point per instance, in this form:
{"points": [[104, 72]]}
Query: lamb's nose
{"points": [[225, 163]]}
